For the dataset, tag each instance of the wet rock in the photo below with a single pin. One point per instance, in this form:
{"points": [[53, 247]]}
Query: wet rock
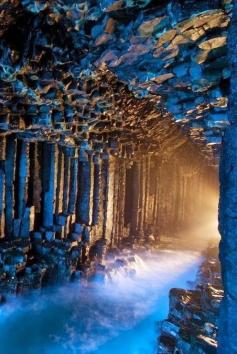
{"points": [[2, 299], [149, 27], [193, 315], [85, 88], [121, 37], [119, 263]]}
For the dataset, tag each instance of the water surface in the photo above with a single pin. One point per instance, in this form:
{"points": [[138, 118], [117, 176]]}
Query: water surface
{"points": [[118, 316]]}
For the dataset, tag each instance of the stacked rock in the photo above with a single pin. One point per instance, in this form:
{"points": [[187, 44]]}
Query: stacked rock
{"points": [[192, 323]]}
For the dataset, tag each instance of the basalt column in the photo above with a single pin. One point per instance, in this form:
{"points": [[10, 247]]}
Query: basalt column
{"points": [[73, 184], [84, 185], [59, 182], [35, 182], [148, 198], [2, 184], [119, 231], [96, 189], [22, 214], [48, 171], [9, 178], [114, 234], [228, 209], [97, 199], [134, 194], [142, 199], [107, 185], [66, 175]]}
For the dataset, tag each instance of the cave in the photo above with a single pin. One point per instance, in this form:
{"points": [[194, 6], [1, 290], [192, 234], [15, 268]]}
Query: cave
{"points": [[118, 177]]}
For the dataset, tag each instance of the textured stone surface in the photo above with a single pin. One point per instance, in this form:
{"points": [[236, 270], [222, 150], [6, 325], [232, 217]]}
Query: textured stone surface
{"points": [[227, 207], [172, 53], [63, 206], [191, 326], [87, 82]]}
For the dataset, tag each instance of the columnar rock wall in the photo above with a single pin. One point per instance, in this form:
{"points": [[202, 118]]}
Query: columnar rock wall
{"points": [[228, 209], [63, 206], [54, 56], [91, 155], [44, 183]]}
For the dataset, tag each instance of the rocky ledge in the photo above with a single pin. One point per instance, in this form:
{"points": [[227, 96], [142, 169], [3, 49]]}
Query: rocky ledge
{"points": [[191, 326]]}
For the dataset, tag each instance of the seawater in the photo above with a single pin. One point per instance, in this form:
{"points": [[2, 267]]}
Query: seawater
{"points": [[118, 315]]}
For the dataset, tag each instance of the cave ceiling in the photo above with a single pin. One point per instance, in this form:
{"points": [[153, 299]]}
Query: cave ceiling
{"points": [[129, 76]]}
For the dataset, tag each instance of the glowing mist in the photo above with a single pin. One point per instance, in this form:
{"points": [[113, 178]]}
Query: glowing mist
{"points": [[117, 316]]}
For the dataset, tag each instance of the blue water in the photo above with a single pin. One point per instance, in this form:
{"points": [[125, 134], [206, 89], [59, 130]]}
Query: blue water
{"points": [[118, 316]]}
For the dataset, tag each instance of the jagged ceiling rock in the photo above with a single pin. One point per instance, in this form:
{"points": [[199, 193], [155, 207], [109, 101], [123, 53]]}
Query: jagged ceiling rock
{"points": [[56, 59]]}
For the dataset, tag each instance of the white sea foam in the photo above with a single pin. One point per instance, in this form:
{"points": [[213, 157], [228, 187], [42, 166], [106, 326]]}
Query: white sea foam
{"points": [[117, 316]]}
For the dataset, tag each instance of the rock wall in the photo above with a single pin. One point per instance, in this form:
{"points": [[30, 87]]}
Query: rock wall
{"points": [[191, 326], [63, 206], [227, 209], [55, 56], [92, 156]]}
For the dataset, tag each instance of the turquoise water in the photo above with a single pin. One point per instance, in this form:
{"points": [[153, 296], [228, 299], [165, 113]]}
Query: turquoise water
{"points": [[118, 316]]}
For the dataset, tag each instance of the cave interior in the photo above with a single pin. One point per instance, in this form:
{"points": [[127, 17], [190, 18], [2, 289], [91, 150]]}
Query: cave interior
{"points": [[111, 130]]}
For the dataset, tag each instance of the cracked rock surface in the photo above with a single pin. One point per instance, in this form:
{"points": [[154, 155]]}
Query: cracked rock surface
{"points": [[55, 56]]}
